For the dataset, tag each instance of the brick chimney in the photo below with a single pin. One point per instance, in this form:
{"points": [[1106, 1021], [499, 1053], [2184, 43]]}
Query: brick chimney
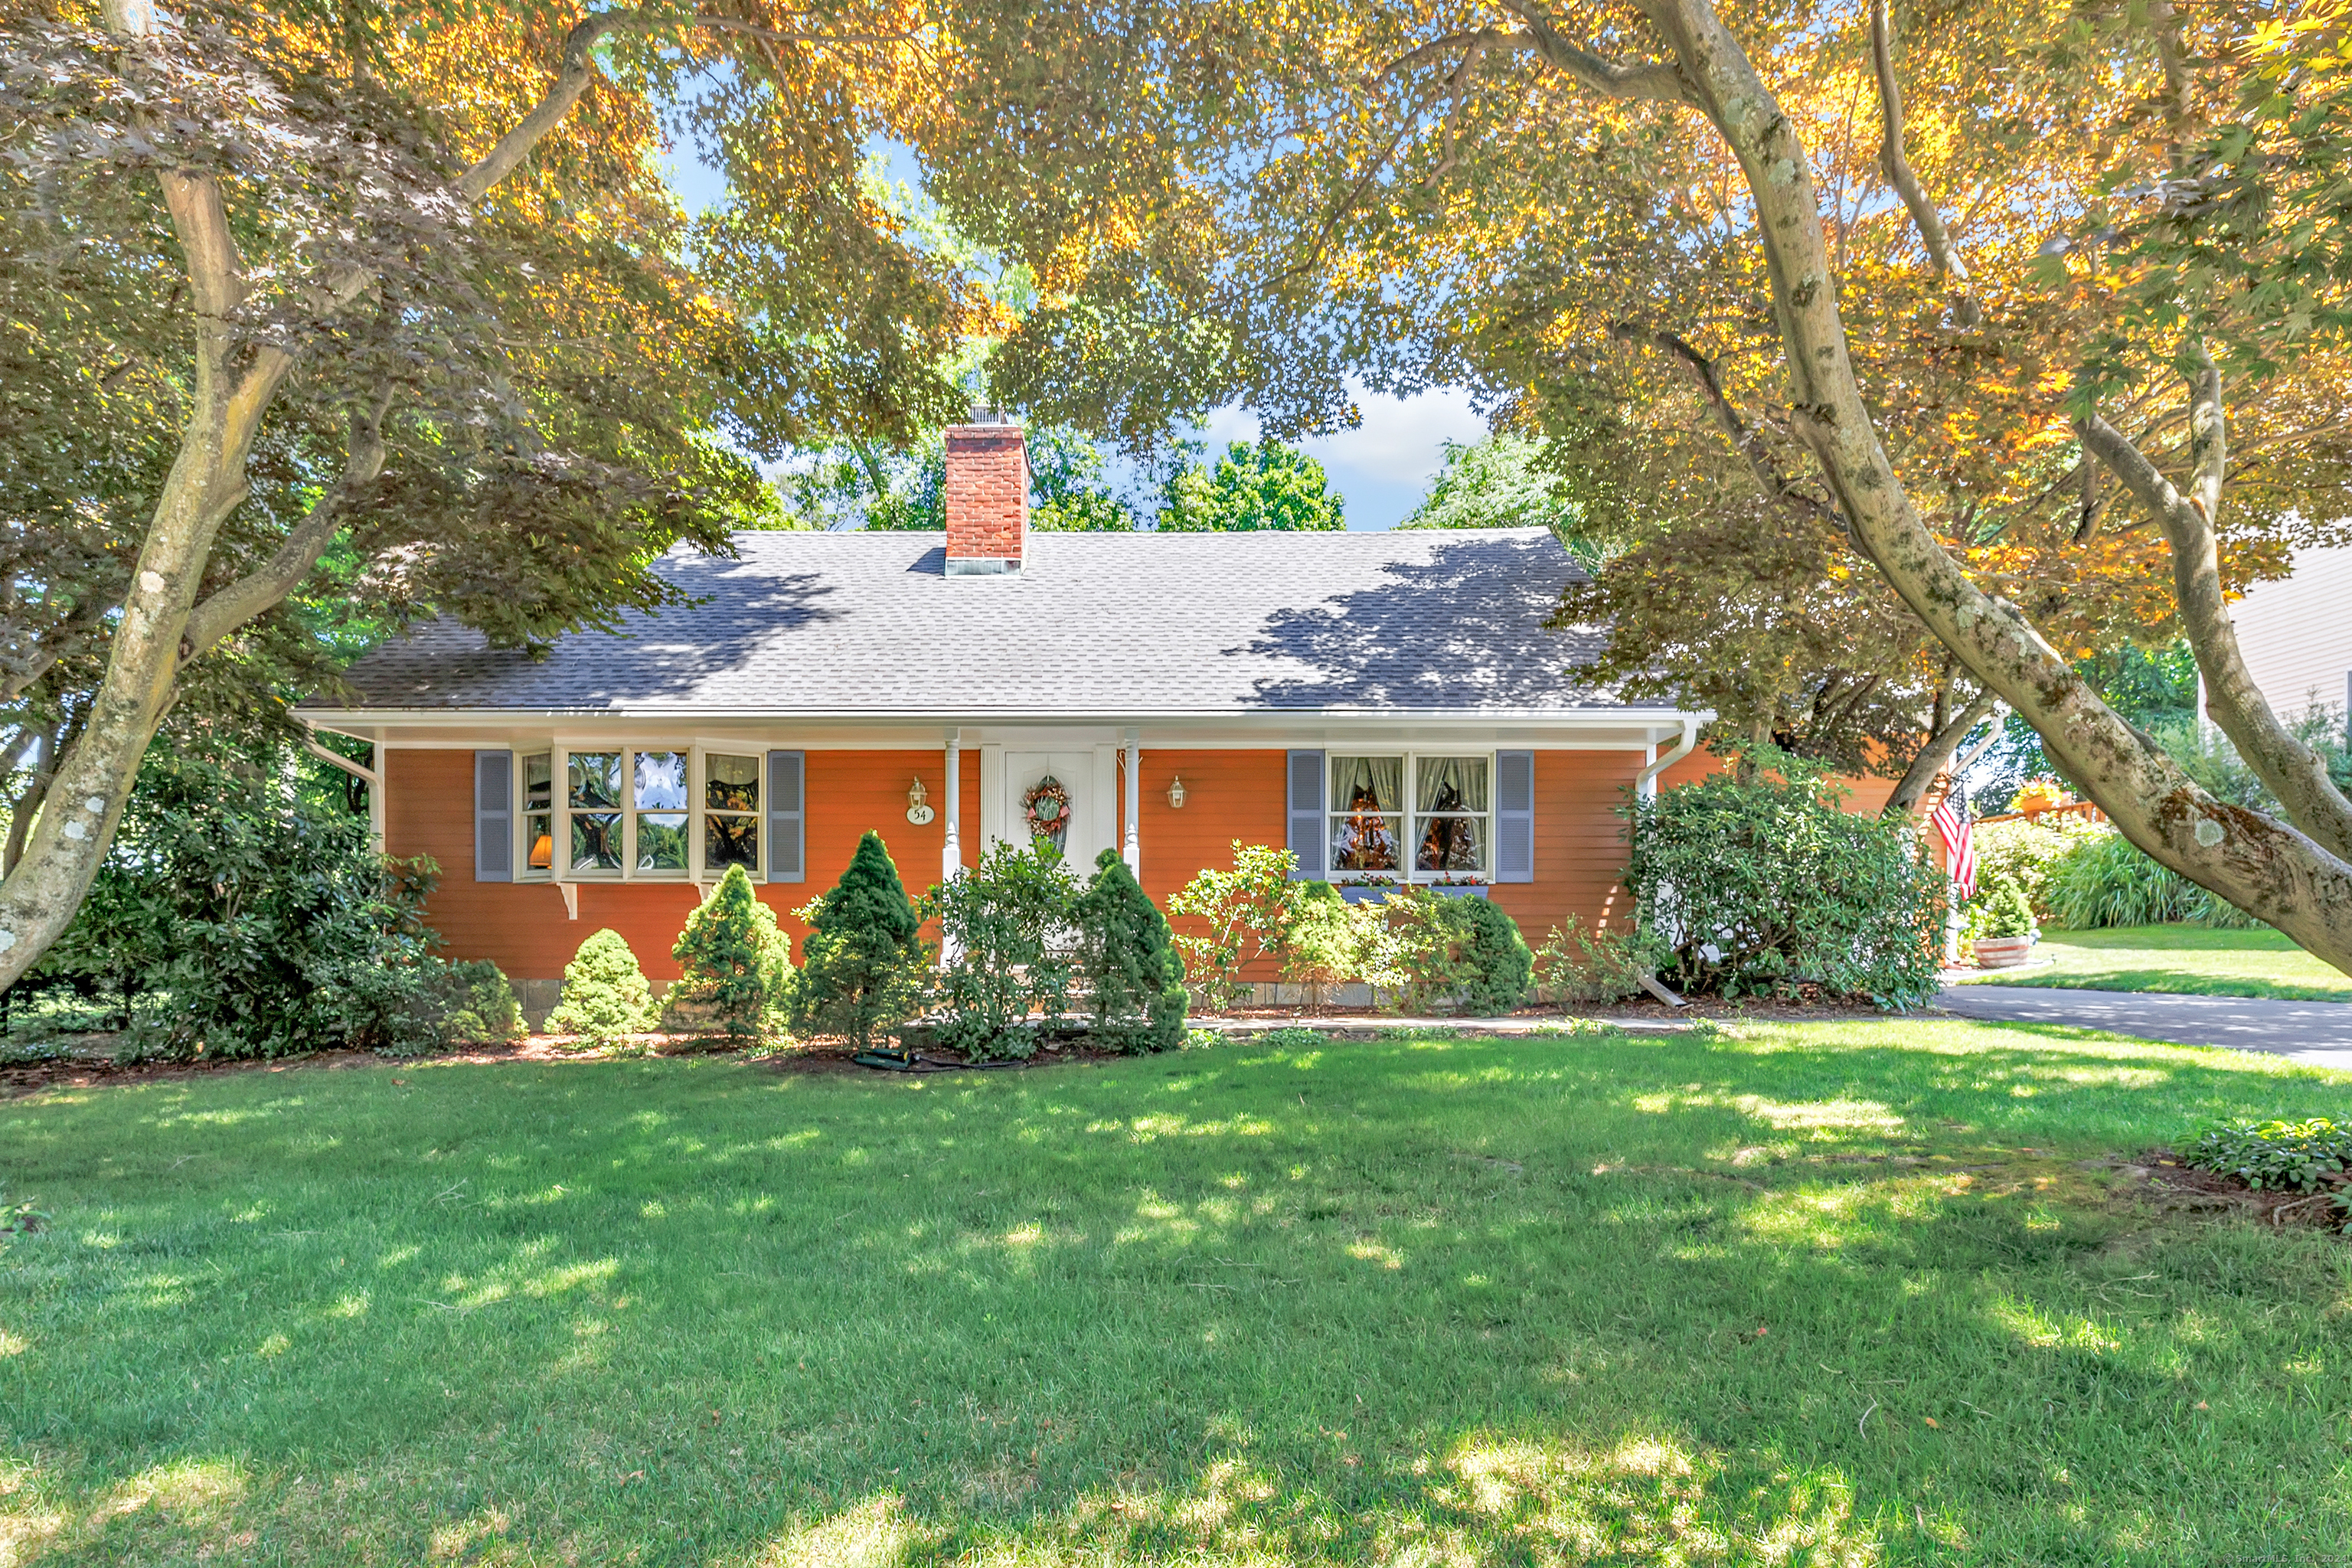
{"points": [[987, 496]]}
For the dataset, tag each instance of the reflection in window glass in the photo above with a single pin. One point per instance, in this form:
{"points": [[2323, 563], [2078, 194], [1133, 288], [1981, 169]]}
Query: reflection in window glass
{"points": [[661, 781], [730, 841], [731, 824], [593, 780], [1367, 795], [539, 811], [595, 840], [730, 783], [661, 841]]}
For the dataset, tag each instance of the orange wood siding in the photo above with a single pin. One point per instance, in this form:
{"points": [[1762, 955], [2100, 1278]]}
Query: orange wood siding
{"points": [[1580, 844]]}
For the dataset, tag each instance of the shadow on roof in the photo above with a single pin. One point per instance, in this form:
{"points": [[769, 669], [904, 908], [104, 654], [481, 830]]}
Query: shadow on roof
{"points": [[1452, 632]]}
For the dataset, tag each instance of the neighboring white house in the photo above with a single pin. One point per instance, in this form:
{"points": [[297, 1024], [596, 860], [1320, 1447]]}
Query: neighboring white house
{"points": [[2296, 634]]}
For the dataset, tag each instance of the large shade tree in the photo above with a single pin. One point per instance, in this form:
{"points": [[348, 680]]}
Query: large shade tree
{"points": [[388, 305], [1997, 296]]}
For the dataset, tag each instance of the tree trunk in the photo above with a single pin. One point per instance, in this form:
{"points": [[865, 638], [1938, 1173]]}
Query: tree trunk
{"points": [[2265, 868], [1910, 796]]}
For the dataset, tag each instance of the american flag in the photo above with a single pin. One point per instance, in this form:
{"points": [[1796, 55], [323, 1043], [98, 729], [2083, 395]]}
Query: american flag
{"points": [[1952, 819]]}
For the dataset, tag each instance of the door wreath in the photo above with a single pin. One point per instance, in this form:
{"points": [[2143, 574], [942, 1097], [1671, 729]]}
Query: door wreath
{"points": [[1046, 809]]}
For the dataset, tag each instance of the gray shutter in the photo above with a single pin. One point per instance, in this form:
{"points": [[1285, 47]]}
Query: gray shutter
{"points": [[787, 816], [494, 816], [1306, 827], [1515, 816]]}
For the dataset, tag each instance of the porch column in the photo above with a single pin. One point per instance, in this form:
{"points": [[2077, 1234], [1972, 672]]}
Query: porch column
{"points": [[1130, 848], [951, 852]]}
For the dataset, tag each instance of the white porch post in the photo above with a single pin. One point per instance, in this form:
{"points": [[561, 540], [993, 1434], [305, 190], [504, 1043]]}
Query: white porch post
{"points": [[1130, 847], [951, 852]]}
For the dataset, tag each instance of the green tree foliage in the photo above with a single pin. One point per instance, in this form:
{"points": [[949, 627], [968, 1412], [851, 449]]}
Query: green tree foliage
{"points": [[867, 485], [235, 917], [605, 997], [1128, 959], [389, 305], [735, 962], [1502, 482], [1757, 879], [1265, 486], [1001, 953], [863, 964], [1948, 318]]}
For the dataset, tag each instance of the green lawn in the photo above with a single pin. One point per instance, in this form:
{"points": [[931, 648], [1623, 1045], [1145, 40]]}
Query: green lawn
{"points": [[1817, 1294], [2262, 963]]}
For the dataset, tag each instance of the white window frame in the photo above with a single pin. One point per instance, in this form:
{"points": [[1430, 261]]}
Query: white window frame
{"points": [[1409, 844], [559, 755]]}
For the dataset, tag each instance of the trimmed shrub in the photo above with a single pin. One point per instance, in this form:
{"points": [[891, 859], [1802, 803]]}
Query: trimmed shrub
{"points": [[1464, 952], [605, 997], [862, 967], [2003, 912], [2105, 880], [1755, 883], [1002, 944], [1127, 958], [1249, 911], [482, 1008], [738, 964]]}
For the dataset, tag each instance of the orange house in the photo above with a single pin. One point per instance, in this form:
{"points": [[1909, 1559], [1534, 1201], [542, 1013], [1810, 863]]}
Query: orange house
{"points": [[1392, 707]]}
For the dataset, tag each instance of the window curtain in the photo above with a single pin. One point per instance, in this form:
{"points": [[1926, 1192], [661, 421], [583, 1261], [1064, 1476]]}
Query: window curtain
{"points": [[1368, 783], [1453, 783]]}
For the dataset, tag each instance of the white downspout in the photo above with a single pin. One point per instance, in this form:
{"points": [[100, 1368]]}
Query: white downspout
{"points": [[1646, 783], [1645, 788]]}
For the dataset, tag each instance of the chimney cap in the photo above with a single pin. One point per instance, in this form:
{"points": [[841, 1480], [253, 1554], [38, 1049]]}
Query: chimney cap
{"points": [[984, 413]]}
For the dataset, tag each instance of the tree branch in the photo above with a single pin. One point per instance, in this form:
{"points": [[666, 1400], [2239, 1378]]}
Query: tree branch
{"points": [[1656, 81], [2293, 771], [1778, 486], [1935, 758], [1896, 167], [249, 595]]}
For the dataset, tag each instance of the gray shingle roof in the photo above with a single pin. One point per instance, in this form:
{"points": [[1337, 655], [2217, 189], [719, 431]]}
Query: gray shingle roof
{"points": [[1096, 624]]}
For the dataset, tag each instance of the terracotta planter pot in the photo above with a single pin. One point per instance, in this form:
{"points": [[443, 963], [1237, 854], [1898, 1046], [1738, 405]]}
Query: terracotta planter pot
{"points": [[2002, 951]]}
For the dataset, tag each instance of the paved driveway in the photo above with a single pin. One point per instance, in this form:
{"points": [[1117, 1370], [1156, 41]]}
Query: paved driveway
{"points": [[2319, 1033]]}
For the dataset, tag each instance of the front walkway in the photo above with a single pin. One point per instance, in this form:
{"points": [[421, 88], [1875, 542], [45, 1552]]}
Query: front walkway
{"points": [[2316, 1033]]}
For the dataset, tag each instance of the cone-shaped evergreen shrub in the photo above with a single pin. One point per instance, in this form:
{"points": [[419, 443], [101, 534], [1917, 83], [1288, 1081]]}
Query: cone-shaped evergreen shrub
{"points": [[862, 966], [605, 997], [1128, 958], [1496, 963], [738, 966]]}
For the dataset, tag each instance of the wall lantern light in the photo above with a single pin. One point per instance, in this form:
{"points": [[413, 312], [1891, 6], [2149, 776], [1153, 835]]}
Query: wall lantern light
{"points": [[1176, 792], [918, 811]]}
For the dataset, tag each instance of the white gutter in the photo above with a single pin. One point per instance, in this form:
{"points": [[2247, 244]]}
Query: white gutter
{"points": [[1646, 783]]}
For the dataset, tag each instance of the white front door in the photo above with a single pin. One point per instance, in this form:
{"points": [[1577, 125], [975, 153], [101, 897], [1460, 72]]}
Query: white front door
{"points": [[1089, 829]]}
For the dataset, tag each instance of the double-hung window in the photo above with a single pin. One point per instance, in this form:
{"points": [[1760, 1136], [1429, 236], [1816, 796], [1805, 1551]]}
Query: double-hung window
{"points": [[1411, 816], [633, 813]]}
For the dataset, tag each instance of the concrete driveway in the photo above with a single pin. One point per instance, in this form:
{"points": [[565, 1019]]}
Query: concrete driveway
{"points": [[2318, 1033]]}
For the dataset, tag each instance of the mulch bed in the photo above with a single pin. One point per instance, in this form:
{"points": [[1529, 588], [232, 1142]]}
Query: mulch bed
{"points": [[2159, 1175]]}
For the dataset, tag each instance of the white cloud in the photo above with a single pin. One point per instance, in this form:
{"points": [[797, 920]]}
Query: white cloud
{"points": [[1402, 440]]}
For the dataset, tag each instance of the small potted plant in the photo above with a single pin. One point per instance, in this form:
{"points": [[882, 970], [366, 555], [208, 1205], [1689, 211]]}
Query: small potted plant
{"points": [[2005, 929], [2039, 796]]}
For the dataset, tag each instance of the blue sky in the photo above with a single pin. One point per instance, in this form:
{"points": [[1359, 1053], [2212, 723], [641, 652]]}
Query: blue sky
{"points": [[1381, 468]]}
